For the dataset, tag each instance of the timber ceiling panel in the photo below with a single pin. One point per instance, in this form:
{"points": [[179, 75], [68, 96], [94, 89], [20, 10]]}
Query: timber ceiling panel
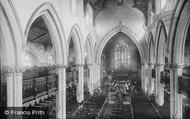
{"points": [[39, 33]]}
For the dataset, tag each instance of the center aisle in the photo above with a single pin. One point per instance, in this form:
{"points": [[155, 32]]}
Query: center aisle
{"points": [[139, 108], [125, 112], [143, 109]]}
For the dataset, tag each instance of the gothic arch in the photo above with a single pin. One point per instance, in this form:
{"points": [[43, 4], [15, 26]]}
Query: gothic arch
{"points": [[102, 44], [76, 36], [10, 30], [161, 42], [51, 19], [179, 32], [11, 41], [151, 48], [89, 48]]}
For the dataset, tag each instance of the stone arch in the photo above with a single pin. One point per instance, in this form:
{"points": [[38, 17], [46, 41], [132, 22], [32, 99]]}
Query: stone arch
{"points": [[89, 48], [51, 19], [11, 29], [55, 28], [179, 31], [161, 42], [11, 41], [102, 44], [76, 35], [151, 48]]}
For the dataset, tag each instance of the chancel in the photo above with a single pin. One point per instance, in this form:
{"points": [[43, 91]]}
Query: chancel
{"points": [[95, 59]]}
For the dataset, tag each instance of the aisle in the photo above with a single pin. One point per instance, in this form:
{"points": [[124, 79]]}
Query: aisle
{"points": [[143, 109], [124, 112]]}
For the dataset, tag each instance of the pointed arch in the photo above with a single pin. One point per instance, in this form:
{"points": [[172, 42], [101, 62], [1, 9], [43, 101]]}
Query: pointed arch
{"points": [[179, 31], [12, 35], [100, 47], [51, 19], [89, 49], [76, 36], [161, 42], [151, 48]]}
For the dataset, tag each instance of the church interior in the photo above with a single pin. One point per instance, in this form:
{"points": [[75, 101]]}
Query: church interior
{"points": [[95, 59]]}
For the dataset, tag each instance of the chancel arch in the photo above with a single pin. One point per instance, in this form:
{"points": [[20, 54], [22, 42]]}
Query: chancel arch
{"points": [[101, 53], [99, 48]]}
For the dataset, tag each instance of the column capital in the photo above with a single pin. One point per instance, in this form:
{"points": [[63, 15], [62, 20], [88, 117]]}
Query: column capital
{"points": [[98, 64], [150, 63], [159, 64], [61, 67], [176, 66], [79, 65], [143, 63], [90, 64], [12, 69]]}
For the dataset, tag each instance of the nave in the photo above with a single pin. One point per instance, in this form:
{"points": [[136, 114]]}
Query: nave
{"points": [[133, 104], [64, 59]]}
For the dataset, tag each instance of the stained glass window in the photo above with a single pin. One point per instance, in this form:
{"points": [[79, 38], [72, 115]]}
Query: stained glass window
{"points": [[122, 54]]}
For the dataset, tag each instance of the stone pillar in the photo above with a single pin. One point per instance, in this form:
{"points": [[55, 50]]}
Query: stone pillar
{"points": [[175, 98], [61, 94], [91, 66], [14, 89], [159, 86], [142, 77], [144, 80], [151, 81], [18, 89], [80, 84], [97, 77]]}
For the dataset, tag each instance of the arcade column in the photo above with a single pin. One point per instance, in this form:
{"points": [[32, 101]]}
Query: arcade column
{"points": [[144, 80], [97, 76], [80, 84], [159, 86], [151, 81], [176, 111], [61, 94], [14, 87], [91, 66]]}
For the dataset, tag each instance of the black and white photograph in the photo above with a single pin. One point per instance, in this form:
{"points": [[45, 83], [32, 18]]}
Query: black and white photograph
{"points": [[94, 59]]}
